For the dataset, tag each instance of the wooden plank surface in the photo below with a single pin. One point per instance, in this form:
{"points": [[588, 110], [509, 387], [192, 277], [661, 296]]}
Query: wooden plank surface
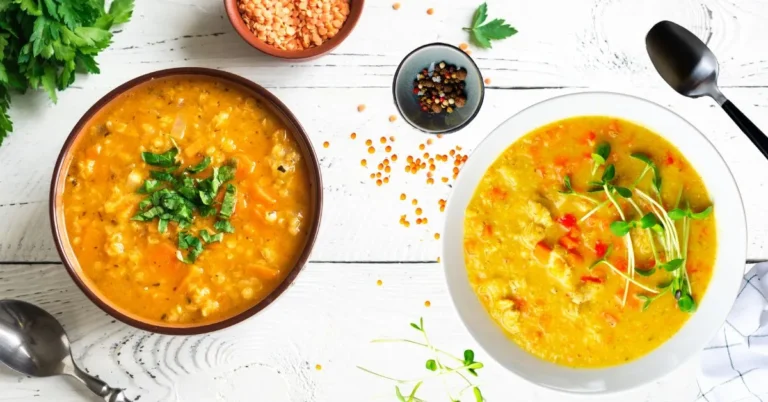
{"points": [[335, 307], [328, 317]]}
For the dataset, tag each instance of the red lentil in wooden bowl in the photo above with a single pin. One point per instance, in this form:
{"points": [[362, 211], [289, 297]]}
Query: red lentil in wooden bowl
{"points": [[294, 29]]}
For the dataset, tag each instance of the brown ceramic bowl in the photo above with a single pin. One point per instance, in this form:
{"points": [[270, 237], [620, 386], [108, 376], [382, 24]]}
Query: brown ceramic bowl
{"points": [[59, 175], [355, 10]]}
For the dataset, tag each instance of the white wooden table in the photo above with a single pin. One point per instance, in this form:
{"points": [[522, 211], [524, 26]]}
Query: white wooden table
{"points": [[335, 306]]}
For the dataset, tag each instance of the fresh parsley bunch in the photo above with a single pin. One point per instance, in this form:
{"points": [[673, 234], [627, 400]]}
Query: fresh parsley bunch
{"points": [[44, 42], [482, 34]]}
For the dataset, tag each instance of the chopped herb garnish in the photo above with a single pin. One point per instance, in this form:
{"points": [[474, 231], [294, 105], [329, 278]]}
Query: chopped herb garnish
{"points": [[228, 204], [184, 198], [166, 159], [149, 186], [224, 226], [160, 175], [162, 225], [200, 166]]}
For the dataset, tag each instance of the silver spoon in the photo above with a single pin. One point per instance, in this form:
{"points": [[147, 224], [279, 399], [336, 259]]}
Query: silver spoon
{"points": [[691, 69], [32, 342]]}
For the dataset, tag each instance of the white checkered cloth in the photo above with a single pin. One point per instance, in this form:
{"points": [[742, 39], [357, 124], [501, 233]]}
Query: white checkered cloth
{"points": [[734, 367]]}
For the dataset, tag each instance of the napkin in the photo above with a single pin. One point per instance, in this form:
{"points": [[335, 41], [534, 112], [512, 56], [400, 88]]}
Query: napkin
{"points": [[734, 366]]}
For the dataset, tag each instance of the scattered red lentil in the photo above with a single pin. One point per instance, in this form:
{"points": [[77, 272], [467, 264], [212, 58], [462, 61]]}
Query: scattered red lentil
{"points": [[373, 175], [386, 162], [392, 118], [386, 179], [363, 163], [383, 140], [430, 181], [326, 144], [388, 149], [437, 236], [353, 136], [403, 197], [394, 157], [414, 202], [427, 303], [418, 211], [371, 150], [422, 146], [360, 108], [429, 141], [369, 142], [378, 182], [391, 138], [379, 282], [430, 11], [468, 52], [487, 81], [396, 6], [418, 221], [444, 179], [387, 169], [463, 46], [378, 175], [318, 367]]}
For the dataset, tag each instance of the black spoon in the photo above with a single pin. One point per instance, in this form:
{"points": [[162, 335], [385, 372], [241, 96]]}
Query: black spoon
{"points": [[691, 69]]}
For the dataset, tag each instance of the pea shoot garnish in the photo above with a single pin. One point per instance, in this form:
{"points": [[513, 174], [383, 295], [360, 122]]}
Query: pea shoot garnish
{"points": [[648, 215], [178, 197], [438, 368]]}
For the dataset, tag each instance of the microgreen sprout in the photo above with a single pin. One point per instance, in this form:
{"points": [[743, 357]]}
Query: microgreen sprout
{"points": [[677, 213], [568, 190], [600, 156], [649, 166], [648, 221], [465, 365]]}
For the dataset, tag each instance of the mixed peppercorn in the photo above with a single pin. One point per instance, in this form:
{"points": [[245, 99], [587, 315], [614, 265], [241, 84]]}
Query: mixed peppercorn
{"points": [[441, 89]]}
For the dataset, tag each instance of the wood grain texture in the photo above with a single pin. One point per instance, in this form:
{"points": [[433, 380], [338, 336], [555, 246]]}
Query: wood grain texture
{"points": [[335, 307], [326, 318]]}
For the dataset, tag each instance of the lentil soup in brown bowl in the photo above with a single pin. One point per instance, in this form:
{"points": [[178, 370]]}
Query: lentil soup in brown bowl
{"points": [[186, 200], [294, 29]]}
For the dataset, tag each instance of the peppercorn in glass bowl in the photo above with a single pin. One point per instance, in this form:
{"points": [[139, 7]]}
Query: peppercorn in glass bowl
{"points": [[438, 88]]}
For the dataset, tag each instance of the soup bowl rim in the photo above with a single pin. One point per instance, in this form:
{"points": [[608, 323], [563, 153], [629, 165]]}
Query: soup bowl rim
{"points": [[699, 328], [281, 111]]}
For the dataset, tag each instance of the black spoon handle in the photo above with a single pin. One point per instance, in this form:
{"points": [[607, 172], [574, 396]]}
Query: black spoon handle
{"points": [[750, 129]]}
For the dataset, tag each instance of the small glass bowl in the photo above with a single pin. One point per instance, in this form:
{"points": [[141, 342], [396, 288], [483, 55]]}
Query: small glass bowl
{"points": [[407, 103]]}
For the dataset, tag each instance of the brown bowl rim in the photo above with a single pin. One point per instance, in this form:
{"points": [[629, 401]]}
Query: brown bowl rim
{"points": [[288, 118], [355, 11]]}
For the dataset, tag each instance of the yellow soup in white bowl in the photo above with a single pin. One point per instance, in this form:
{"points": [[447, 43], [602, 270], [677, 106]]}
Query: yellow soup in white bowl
{"points": [[586, 245]]}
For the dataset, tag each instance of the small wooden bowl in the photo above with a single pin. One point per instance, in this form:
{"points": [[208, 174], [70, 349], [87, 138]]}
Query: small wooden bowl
{"points": [[59, 176], [355, 10]]}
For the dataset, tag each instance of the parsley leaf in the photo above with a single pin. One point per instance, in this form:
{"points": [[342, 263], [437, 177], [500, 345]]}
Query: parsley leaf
{"points": [[228, 204], [43, 42], [482, 35], [165, 159], [224, 226]]}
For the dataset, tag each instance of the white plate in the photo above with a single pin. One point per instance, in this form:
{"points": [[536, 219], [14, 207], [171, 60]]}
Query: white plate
{"points": [[713, 308]]}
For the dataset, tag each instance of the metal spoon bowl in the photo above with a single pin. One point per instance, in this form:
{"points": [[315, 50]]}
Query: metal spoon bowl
{"points": [[34, 343], [691, 69]]}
